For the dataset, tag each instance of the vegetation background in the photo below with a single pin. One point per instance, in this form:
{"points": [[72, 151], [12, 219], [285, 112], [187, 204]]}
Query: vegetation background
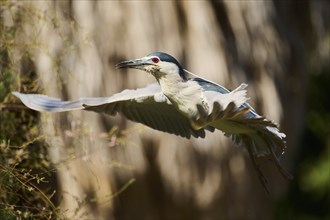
{"points": [[90, 166]]}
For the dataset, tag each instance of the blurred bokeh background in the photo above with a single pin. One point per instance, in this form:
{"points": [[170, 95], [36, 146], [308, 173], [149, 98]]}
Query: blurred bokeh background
{"points": [[83, 165]]}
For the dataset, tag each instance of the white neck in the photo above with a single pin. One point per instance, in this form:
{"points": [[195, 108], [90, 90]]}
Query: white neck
{"points": [[184, 95]]}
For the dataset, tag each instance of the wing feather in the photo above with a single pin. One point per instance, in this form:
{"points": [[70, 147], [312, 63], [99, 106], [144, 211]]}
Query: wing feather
{"points": [[145, 105], [243, 124]]}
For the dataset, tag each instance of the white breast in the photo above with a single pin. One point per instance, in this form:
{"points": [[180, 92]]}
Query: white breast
{"points": [[184, 95]]}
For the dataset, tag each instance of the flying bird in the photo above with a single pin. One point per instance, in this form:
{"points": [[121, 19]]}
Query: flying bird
{"points": [[183, 104]]}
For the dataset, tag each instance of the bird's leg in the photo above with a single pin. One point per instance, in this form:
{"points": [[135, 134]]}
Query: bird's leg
{"points": [[281, 169], [261, 176]]}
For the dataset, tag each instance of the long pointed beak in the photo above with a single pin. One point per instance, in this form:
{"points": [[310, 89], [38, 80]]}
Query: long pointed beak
{"points": [[135, 63]]}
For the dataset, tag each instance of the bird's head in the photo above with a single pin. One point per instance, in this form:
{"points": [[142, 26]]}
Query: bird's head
{"points": [[158, 64]]}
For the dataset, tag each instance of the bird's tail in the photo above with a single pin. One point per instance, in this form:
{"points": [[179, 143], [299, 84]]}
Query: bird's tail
{"points": [[260, 136], [266, 141]]}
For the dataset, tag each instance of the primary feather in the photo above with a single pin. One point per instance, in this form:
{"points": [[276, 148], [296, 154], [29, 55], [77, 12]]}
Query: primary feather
{"points": [[144, 105]]}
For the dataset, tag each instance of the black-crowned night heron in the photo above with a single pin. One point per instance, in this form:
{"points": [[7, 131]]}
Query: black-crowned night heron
{"points": [[181, 103]]}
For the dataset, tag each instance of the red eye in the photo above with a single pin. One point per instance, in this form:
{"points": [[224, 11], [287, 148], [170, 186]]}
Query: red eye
{"points": [[155, 59]]}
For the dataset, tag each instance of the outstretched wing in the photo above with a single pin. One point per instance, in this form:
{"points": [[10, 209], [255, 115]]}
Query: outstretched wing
{"points": [[241, 120], [243, 124], [210, 87], [146, 105]]}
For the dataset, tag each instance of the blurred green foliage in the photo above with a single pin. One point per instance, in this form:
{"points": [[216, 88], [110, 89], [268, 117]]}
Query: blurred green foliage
{"points": [[308, 196]]}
